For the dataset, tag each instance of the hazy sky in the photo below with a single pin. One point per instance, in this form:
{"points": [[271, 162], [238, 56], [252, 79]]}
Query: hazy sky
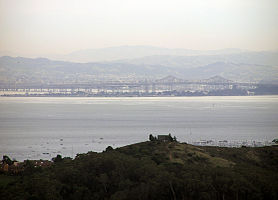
{"points": [[41, 27]]}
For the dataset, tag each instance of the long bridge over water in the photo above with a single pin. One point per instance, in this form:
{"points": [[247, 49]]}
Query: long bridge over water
{"points": [[113, 87], [116, 84]]}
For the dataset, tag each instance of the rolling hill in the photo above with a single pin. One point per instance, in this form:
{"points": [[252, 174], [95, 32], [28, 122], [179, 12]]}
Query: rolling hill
{"points": [[151, 170], [244, 67]]}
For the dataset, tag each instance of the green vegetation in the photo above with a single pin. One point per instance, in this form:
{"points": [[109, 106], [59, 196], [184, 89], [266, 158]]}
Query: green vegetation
{"points": [[6, 180], [152, 170]]}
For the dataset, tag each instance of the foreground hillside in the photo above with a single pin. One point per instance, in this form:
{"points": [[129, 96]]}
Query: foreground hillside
{"points": [[152, 170]]}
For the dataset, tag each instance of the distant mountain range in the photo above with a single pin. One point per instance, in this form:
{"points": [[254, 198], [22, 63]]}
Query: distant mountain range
{"points": [[239, 66], [133, 52]]}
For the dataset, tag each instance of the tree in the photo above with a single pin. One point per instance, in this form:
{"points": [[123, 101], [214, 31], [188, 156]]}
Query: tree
{"points": [[57, 159], [151, 137], [7, 160], [109, 148], [171, 138]]}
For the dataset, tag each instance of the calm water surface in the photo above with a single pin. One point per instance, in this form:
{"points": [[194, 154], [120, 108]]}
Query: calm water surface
{"points": [[42, 127]]}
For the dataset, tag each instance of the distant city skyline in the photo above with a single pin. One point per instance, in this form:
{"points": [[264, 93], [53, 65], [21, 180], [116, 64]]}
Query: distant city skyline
{"points": [[41, 28]]}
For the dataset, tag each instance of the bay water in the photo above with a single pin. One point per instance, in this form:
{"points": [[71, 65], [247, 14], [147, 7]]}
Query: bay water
{"points": [[42, 127]]}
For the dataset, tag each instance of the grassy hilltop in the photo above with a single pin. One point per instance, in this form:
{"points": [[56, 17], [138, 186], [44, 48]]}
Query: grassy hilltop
{"points": [[152, 170]]}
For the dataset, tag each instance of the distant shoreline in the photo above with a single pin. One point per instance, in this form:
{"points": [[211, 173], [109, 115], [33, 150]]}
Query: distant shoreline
{"points": [[136, 96]]}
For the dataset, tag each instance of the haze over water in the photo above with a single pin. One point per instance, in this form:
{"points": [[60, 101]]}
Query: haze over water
{"points": [[34, 128]]}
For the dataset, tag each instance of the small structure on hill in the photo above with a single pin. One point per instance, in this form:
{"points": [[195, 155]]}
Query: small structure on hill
{"points": [[163, 138], [8, 165], [5, 163]]}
